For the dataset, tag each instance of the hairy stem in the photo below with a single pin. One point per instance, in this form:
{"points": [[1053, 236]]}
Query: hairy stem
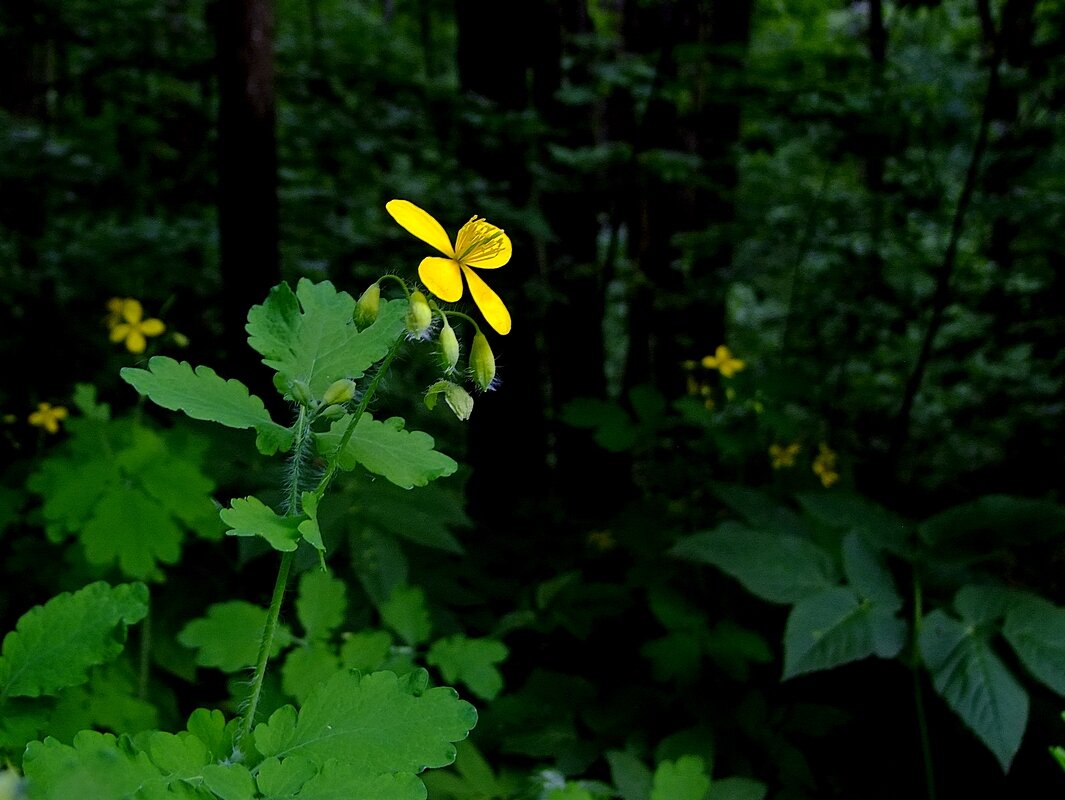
{"points": [[267, 642], [300, 446]]}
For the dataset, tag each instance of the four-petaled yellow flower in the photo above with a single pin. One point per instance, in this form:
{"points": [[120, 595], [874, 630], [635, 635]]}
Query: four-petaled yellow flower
{"points": [[48, 417], [724, 362], [783, 456], [479, 245], [132, 327], [825, 465]]}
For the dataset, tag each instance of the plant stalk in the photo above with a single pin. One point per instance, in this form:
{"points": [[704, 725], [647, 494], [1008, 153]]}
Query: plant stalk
{"points": [[918, 692]]}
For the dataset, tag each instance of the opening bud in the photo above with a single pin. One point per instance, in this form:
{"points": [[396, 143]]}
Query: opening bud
{"points": [[419, 315], [482, 362], [457, 398], [339, 392], [449, 347], [367, 306]]}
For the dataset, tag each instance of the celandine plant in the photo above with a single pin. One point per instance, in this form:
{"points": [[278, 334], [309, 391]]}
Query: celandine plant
{"points": [[356, 736]]}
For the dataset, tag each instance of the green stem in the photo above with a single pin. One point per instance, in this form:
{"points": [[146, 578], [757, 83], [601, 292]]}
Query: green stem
{"points": [[267, 642], [918, 691], [145, 653], [301, 442]]}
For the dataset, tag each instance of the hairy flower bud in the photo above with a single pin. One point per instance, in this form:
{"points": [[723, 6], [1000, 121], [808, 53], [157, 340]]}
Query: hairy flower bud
{"points": [[300, 392], [333, 412], [339, 392], [419, 316], [367, 307], [482, 362], [449, 347]]}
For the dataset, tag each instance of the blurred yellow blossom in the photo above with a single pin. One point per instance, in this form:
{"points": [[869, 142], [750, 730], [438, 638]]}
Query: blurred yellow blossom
{"points": [[825, 465], [724, 362], [783, 456], [48, 417], [602, 540], [131, 326]]}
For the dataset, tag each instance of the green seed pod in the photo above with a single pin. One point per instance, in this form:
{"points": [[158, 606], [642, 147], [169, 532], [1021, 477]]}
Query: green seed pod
{"points": [[419, 315], [482, 362], [339, 392], [333, 412], [449, 347], [367, 307]]}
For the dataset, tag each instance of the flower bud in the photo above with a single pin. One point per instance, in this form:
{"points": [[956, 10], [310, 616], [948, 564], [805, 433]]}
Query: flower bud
{"points": [[449, 347], [419, 316], [482, 362], [339, 392], [299, 392], [457, 398], [367, 306], [333, 412]]}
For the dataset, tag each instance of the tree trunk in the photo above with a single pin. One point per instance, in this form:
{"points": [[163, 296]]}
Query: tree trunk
{"points": [[247, 160]]}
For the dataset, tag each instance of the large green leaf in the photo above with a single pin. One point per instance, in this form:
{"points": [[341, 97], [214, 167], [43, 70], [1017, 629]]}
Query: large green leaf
{"points": [[975, 683], [341, 781], [310, 336], [376, 723], [1035, 628], [996, 519], [779, 568], [127, 527], [54, 645], [737, 789], [202, 394], [683, 779], [321, 604], [847, 511], [867, 574], [406, 458], [228, 637], [835, 627]]}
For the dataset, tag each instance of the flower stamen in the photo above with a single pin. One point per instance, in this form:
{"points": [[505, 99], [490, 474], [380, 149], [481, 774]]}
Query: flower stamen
{"points": [[478, 240]]}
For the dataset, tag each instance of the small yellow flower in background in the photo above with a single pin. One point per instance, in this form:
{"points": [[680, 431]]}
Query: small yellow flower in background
{"points": [[479, 245], [724, 362], [783, 456], [48, 417], [132, 328], [825, 465]]}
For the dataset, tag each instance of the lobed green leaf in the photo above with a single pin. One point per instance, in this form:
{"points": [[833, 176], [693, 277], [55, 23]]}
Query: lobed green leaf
{"points": [[53, 646], [202, 394]]}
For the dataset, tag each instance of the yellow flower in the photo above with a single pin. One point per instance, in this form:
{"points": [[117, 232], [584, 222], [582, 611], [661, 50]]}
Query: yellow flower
{"points": [[114, 311], [133, 327], [724, 362], [48, 417], [479, 245], [825, 465], [784, 455]]}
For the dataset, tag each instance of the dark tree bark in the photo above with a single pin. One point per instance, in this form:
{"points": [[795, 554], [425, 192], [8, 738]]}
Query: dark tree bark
{"points": [[247, 159]]}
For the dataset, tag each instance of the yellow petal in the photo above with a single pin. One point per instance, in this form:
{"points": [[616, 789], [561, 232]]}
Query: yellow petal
{"points": [[60, 412], [488, 301], [132, 311], [441, 277], [152, 327], [136, 342], [421, 224], [120, 332]]}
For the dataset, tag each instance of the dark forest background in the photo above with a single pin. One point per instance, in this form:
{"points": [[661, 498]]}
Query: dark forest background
{"points": [[864, 200]]}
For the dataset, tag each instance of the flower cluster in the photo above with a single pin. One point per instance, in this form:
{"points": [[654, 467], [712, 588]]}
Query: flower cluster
{"points": [[478, 245], [783, 456], [825, 465], [125, 319]]}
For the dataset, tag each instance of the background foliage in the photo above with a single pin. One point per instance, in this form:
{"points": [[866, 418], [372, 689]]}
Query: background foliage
{"points": [[862, 200]]}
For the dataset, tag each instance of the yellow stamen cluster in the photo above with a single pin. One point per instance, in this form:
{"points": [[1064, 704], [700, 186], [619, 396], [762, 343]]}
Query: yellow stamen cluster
{"points": [[478, 240]]}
